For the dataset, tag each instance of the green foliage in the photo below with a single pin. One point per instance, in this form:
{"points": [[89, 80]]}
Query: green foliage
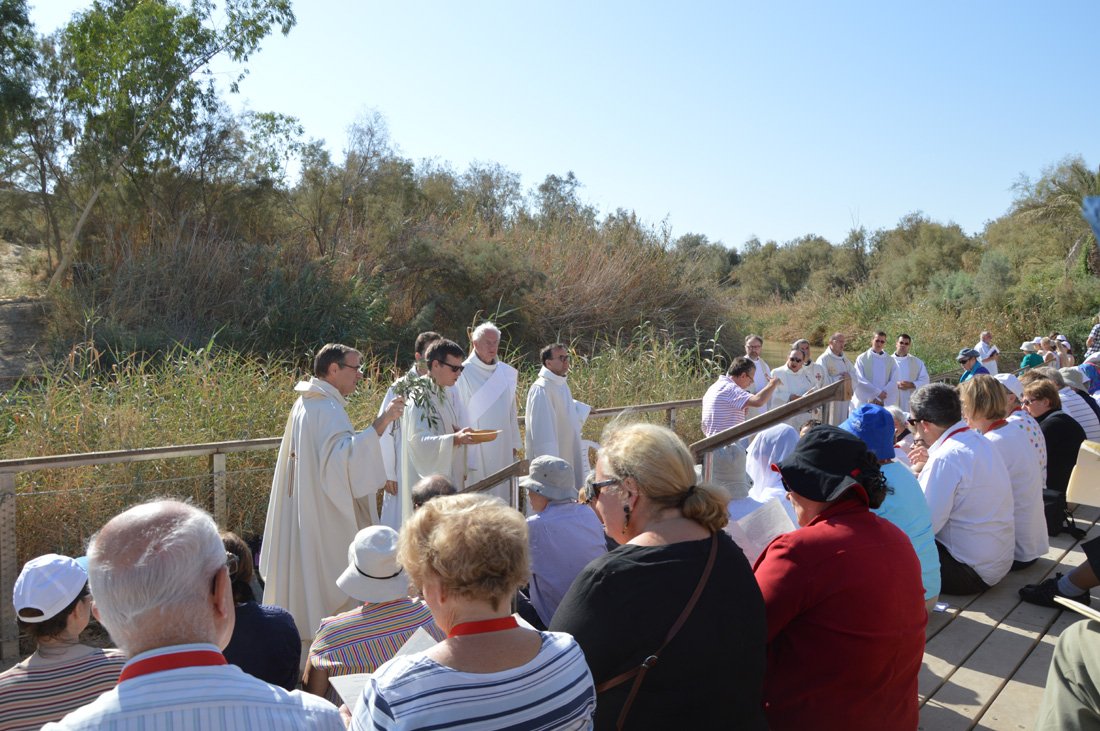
{"points": [[906, 258], [952, 290], [16, 60]]}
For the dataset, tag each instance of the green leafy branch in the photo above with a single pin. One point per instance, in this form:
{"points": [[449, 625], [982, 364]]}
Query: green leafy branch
{"points": [[420, 390]]}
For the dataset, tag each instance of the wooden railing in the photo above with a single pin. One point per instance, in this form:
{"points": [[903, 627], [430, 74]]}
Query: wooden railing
{"points": [[216, 452]]}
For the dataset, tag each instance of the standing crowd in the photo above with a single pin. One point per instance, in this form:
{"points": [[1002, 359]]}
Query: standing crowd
{"points": [[624, 598]]}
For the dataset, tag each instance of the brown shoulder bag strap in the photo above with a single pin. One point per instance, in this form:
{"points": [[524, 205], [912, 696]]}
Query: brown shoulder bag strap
{"points": [[639, 672]]}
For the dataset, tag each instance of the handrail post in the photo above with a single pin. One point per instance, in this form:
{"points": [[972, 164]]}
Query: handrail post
{"points": [[217, 475], [513, 493], [9, 569], [671, 418], [708, 466]]}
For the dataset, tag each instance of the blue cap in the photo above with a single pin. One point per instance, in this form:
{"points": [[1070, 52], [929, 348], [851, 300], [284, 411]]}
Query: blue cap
{"points": [[875, 426]]}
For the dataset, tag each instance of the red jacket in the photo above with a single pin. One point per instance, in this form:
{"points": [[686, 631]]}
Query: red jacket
{"points": [[846, 619]]}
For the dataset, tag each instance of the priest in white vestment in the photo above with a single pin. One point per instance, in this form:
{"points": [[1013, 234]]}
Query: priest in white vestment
{"points": [[837, 367], [554, 418], [911, 373], [326, 477], [813, 370], [391, 438], [795, 381], [434, 435], [753, 345], [488, 391], [875, 377]]}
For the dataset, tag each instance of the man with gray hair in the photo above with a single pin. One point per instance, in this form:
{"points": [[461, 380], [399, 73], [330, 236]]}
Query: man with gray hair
{"points": [[161, 583], [487, 387]]}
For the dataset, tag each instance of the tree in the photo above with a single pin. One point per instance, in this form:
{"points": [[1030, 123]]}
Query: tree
{"points": [[1056, 198], [132, 67], [16, 64]]}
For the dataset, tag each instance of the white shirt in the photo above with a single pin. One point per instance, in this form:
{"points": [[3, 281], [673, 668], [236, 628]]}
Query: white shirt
{"points": [[488, 392], [793, 384], [984, 351], [1012, 444], [910, 368], [874, 373], [970, 498], [836, 366], [431, 450], [326, 478], [554, 421], [208, 697], [760, 379], [1074, 404]]}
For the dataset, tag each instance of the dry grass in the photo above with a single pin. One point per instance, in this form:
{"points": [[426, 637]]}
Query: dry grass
{"points": [[215, 395]]}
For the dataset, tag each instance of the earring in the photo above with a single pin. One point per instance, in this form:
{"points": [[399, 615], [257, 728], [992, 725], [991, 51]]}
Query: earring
{"points": [[626, 518]]}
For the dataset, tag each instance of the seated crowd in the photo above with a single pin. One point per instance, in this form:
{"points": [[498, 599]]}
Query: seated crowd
{"points": [[623, 602]]}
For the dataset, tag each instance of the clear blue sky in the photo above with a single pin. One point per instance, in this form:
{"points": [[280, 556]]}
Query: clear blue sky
{"points": [[723, 118]]}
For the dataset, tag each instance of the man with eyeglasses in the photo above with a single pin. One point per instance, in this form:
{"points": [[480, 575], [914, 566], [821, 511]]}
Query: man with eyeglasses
{"points": [[875, 379], [327, 477], [553, 417], [911, 373], [435, 430], [968, 491], [161, 583], [795, 381]]}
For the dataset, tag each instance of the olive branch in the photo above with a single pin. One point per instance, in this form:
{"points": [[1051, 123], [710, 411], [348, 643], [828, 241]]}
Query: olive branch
{"points": [[420, 389]]}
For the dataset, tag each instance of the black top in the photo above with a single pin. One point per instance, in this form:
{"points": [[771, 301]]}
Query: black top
{"points": [[1063, 436], [621, 607], [266, 644]]}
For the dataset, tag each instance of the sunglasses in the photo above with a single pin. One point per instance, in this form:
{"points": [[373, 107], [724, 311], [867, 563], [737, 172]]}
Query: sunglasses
{"points": [[455, 368], [345, 365], [913, 422], [794, 360], [595, 487]]}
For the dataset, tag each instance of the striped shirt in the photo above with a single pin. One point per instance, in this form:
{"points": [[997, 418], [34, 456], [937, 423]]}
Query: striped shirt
{"points": [[723, 405], [35, 691], [552, 691], [360, 640], [200, 697]]}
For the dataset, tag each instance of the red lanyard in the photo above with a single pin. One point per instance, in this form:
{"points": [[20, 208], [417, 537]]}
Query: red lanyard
{"points": [[485, 625], [171, 661], [960, 429], [997, 424]]}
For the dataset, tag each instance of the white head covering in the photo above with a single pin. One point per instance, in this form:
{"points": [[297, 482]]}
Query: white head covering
{"points": [[770, 446]]}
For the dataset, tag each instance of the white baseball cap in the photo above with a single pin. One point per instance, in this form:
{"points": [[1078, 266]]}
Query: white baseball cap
{"points": [[48, 584]]}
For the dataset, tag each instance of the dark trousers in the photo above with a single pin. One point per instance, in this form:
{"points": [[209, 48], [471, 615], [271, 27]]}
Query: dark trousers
{"points": [[956, 577]]}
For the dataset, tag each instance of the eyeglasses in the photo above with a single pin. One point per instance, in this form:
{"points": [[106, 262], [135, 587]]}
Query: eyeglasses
{"points": [[880, 342], [560, 357], [357, 368], [595, 487], [1028, 401], [455, 368], [232, 563]]}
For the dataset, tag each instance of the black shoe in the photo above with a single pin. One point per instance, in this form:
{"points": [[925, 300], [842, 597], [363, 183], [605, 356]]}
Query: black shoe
{"points": [[1044, 592]]}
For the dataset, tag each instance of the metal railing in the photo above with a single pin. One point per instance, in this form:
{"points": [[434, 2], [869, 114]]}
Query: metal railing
{"points": [[215, 453]]}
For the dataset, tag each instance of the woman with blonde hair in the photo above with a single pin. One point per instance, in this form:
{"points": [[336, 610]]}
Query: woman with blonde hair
{"points": [[468, 555], [677, 588], [984, 405]]}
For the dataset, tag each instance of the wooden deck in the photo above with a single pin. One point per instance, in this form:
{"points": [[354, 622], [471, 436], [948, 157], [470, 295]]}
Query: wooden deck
{"points": [[986, 659]]}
